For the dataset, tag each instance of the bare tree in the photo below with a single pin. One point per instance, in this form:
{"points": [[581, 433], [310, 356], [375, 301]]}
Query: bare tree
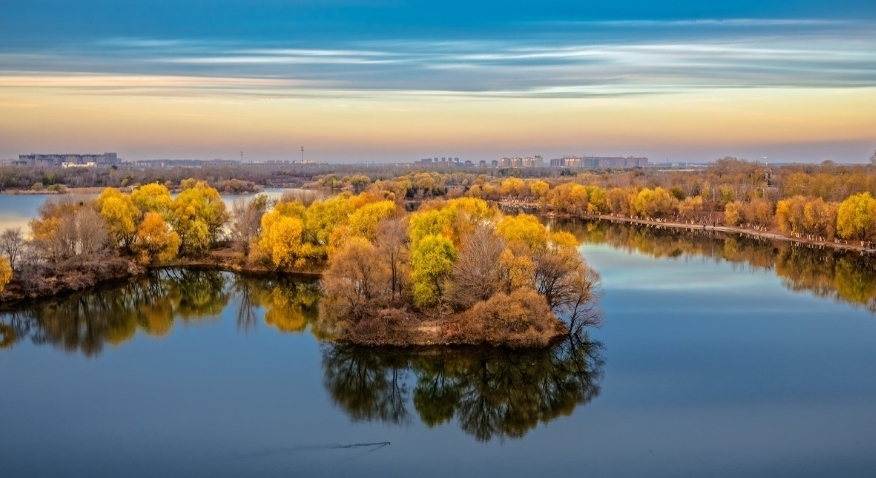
{"points": [[91, 236], [570, 286], [11, 244], [246, 220], [392, 240], [873, 158], [357, 282], [476, 273], [304, 196]]}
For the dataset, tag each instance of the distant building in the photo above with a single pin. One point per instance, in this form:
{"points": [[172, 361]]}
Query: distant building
{"points": [[68, 160], [595, 162]]}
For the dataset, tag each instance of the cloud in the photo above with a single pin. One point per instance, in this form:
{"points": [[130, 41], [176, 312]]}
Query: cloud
{"points": [[784, 53]]}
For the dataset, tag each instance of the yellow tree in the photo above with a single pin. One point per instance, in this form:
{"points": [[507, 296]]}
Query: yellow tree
{"points": [[620, 201], [656, 202], [524, 228], [513, 187], [197, 215], [152, 197], [539, 189], [155, 241], [819, 218], [597, 201], [281, 239], [789, 214], [5, 273], [363, 222], [433, 222], [431, 264], [120, 214], [732, 213], [320, 220], [690, 207], [856, 217]]}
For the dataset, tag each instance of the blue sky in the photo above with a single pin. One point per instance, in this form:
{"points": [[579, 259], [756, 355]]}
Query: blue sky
{"points": [[361, 69]]}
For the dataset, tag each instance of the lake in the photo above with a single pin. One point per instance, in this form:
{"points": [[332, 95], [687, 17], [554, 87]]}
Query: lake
{"points": [[719, 356]]}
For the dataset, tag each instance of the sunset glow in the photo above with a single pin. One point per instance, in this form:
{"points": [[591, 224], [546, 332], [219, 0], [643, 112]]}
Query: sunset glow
{"points": [[793, 89]]}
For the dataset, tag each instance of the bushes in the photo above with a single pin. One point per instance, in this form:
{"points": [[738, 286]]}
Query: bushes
{"points": [[521, 319]]}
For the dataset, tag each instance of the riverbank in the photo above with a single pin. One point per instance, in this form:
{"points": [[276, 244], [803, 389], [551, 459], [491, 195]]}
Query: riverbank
{"points": [[69, 278], [759, 234], [839, 244], [37, 285]]}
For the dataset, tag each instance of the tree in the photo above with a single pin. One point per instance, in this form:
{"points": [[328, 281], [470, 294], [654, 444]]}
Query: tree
{"points": [[476, 273], [873, 158], [152, 197], [856, 217], [66, 228], [120, 214], [431, 264], [363, 222], [655, 202], [732, 213], [5, 273], [197, 215], [357, 281], [392, 242], [524, 228], [155, 241], [12, 244], [567, 283], [539, 188], [281, 239], [247, 220], [690, 207], [789, 214], [91, 232]]}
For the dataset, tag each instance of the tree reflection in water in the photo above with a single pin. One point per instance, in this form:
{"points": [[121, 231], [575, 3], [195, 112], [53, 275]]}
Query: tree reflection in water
{"points": [[289, 304], [490, 392], [152, 304], [845, 276], [85, 321]]}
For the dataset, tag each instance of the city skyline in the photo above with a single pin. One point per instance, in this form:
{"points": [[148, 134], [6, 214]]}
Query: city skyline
{"points": [[357, 81]]}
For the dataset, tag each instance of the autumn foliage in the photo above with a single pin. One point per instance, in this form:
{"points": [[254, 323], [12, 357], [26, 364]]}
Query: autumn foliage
{"points": [[459, 272]]}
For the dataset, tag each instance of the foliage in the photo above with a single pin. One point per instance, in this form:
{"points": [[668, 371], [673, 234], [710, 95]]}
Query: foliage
{"points": [[155, 241], [431, 264], [5, 273], [856, 217], [152, 197], [197, 215], [121, 216], [281, 239]]}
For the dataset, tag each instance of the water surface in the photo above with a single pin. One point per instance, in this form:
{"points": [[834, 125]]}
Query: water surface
{"points": [[718, 357]]}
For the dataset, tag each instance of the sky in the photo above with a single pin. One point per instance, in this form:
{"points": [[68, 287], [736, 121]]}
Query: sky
{"points": [[396, 80]]}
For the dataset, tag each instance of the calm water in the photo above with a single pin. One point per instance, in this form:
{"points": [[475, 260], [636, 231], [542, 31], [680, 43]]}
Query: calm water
{"points": [[718, 357]]}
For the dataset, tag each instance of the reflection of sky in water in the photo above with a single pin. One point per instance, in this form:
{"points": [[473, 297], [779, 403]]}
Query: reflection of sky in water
{"points": [[720, 368], [711, 371]]}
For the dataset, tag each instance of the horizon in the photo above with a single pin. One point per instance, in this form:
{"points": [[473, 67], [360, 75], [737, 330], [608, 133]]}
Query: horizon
{"points": [[359, 81]]}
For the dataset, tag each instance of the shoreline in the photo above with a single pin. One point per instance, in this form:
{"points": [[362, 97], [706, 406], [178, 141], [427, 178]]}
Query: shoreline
{"points": [[839, 244], [771, 235]]}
